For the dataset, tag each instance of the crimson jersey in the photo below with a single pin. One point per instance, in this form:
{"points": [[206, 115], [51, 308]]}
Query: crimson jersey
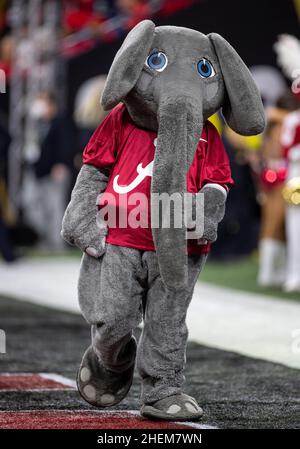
{"points": [[128, 151]]}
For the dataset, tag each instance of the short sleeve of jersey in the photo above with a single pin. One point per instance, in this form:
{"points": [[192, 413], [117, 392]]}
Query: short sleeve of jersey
{"points": [[216, 166], [102, 148]]}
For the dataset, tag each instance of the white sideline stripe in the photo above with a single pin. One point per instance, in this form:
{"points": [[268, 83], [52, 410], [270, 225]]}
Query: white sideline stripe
{"points": [[246, 323], [196, 425], [251, 324], [113, 412], [36, 390], [60, 379], [187, 423], [51, 283], [71, 384]]}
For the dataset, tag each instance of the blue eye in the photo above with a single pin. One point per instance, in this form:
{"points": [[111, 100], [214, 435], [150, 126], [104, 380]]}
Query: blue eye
{"points": [[205, 68], [157, 61]]}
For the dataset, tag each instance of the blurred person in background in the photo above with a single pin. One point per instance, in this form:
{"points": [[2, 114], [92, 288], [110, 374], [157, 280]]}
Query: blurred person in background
{"points": [[52, 169], [135, 10], [82, 14], [249, 218], [272, 246], [7, 45], [290, 140], [88, 115], [238, 232], [287, 49], [87, 22]]}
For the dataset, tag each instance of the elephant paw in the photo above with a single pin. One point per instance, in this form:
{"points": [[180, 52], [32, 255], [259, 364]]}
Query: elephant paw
{"points": [[101, 387], [178, 407]]}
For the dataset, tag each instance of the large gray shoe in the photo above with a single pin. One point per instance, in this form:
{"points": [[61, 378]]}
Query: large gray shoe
{"points": [[101, 387], [179, 407]]}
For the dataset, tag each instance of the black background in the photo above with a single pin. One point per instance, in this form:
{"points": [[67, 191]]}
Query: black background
{"points": [[251, 27]]}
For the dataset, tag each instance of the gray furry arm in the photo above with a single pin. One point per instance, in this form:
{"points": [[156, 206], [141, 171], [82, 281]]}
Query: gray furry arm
{"points": [[214, 210], [79, 226]]}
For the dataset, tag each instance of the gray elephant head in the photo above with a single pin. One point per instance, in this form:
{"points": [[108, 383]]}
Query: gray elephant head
{"points": [[171, 80]]}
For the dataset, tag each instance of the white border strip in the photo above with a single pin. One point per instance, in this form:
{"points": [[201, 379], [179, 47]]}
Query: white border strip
{"points": [[59, 379], [115, 412], [71, 384], [64, 381]]}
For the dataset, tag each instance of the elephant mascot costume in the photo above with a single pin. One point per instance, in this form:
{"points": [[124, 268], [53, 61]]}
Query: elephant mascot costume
{"points": [[157, 142]]}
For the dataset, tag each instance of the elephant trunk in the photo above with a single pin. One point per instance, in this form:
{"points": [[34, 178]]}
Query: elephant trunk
{"points": [[180, 122]]}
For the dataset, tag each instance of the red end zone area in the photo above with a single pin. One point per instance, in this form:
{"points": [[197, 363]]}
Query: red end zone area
{"points": [[81, 419], [30, 381], [67, 419]]}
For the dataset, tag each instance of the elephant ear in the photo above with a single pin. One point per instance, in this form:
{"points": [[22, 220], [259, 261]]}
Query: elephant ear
{"points": [[128, 64], [243, 109]]}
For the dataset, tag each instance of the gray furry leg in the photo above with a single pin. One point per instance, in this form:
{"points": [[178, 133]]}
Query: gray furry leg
{"points": [[162, 347], [116, 357], [110, 297]]}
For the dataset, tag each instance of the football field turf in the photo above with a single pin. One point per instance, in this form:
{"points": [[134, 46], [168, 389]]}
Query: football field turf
{"points": [[43, 351]]}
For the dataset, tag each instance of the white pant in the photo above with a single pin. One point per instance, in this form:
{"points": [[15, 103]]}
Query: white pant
{"points": [[293, 247], [272, 261]]}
